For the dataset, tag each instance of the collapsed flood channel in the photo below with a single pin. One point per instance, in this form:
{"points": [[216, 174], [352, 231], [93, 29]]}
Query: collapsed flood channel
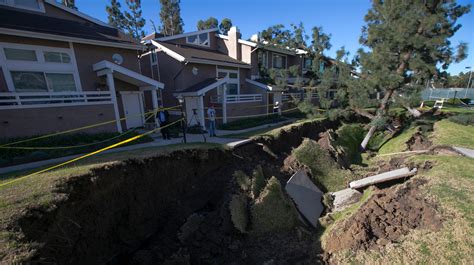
{"points": [[197, 206]]}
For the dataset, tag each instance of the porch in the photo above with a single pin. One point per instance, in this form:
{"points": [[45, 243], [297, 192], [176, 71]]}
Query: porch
{"points": [[228, 106], [132, 94]]}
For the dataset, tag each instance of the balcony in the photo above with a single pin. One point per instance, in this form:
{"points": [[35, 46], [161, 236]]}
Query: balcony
{"points": [[21, 100], [242, 98]]}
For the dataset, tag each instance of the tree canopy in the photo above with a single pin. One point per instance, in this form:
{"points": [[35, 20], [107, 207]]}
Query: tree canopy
{"points": [[69, 3], [225, 25], [134, 20], [170, 17], [406, 44], [114, 15], [209, 23]]}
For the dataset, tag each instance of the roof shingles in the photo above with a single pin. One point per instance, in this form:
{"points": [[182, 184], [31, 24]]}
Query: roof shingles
{"points": [[191, 53]]}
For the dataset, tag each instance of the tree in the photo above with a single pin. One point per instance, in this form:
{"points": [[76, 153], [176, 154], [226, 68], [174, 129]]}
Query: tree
{"points": [[407, 44], [115, 16], [170, 16], [209, 23], [225, 26], [134, 22], [69, 3]]}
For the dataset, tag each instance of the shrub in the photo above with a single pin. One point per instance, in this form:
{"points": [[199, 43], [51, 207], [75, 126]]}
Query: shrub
{"points": [[324, 170], [250, 122], [349, 137], [238, 212], [258, 181], [101, 140], [463, 119], [272, 211], [242, 180]]}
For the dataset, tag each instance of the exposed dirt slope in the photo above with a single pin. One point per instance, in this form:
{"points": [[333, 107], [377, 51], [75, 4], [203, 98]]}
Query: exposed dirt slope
{"points": [[384, 218]]}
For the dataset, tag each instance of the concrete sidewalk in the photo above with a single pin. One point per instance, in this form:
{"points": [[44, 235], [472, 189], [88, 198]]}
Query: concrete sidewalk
{"points": [[158, 142]]}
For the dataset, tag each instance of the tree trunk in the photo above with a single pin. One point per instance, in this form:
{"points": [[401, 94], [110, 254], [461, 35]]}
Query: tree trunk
{"points": [[367, 137], [416, 113]]}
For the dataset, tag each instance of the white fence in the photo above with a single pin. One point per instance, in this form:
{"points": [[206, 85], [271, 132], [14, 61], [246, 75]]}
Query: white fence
{"points": [[19, 100], [238, 98]]}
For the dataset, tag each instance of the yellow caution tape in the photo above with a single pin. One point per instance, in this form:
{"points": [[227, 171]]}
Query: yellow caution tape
{"points": [[88, 155], [82, 128]]}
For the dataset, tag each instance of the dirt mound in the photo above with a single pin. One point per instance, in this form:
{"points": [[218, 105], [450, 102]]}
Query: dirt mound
{"points": [[418, 142], [384, 218]]}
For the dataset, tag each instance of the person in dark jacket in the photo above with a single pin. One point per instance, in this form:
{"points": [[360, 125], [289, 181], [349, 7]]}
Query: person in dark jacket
{"points": [[163, 118]]}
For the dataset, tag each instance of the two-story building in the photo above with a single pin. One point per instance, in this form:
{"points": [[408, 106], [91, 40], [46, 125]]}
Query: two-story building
{"points": [[61, 69], [204, 67]]}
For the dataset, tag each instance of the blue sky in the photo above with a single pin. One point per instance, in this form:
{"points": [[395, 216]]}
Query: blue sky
{"points": [[343, 19]]}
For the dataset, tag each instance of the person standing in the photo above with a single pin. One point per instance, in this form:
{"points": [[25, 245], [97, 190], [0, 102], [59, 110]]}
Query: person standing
{"points": [[163, 118], [211, 114]]}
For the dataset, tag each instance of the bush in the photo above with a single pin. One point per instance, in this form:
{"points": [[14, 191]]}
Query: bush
{"points": [[242, 180], [238, 212], [272, 211], [18, 156], [463, 119], [251, 122], [324, 170], [258, 181], [349, 137]]}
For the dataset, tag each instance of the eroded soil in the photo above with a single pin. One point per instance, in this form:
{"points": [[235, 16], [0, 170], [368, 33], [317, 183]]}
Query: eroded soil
{"points": [[385, 217]]}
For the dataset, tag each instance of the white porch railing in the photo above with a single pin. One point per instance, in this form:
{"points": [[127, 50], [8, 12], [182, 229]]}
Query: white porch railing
{"points": [[19, 100], [238, 98]]}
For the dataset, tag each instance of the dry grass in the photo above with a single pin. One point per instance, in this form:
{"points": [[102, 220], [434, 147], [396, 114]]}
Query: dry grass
{"points": [[451, 183]]}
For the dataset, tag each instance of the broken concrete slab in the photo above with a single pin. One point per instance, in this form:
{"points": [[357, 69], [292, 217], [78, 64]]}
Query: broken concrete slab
{"points": [[344, 198], [384, 177], [464, 151], [306, 196]]}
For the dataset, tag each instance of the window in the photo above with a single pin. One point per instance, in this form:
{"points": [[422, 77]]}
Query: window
{"points": [[20, 54], [57, 57], [25, 4], [30, 68], [262, 59], [279, 61], [61, 82], [308, 63], [29, 81], [200, 39], [233, 86], [26, 81], [153, 57]]}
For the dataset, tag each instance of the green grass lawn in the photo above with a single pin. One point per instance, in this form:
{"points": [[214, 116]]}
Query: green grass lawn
{"points": [[398, 143], [450, 133]]}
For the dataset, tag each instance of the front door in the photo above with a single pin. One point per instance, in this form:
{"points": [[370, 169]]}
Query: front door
{"points": [[133, 109]]}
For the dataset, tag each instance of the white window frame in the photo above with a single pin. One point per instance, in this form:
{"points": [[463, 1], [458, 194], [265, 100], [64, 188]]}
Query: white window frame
{"points": [[198, 44], [153, 53], [265, 53], [12, 4], [229, 71], [40, 65], [282, 55]]}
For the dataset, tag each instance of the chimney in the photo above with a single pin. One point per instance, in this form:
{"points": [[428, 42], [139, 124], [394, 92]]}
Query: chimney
{"points": [[234, 47]]}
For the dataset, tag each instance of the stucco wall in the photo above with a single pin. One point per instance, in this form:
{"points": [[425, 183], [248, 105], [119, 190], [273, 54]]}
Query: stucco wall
{"points": [[38, 121], [88, 55]]}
